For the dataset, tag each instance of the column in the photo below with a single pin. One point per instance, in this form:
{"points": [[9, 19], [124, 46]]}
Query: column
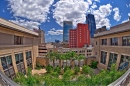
{"points": [[107, 59], [118, 60], [24, 60], [14, 63], [119, 41]]}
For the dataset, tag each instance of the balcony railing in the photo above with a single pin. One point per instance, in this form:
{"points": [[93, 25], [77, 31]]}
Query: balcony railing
{"points": [[5, 81], [122, 80]]}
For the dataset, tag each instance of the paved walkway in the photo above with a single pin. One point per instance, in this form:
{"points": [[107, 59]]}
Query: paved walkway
{"points": [[96, 71], [42, 71]]}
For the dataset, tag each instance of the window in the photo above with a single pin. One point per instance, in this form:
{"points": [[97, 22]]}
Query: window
{"points": [[29, 58], [20, 63], [124, 62], [95, 53], [126, 41], [96, 43], [18, 40], [104, 41], [7, 65], [103, 57], [114, 41], [112, 59]]}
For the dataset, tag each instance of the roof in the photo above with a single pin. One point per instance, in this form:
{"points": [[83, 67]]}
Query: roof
{"points": [[115, 29], [14, 26]]}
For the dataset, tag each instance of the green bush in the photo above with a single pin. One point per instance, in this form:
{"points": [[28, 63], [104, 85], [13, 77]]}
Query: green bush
{"points": [[76, 70], [49, 69], [57, 69], [66, 68], [67, 75], [93, 64]]}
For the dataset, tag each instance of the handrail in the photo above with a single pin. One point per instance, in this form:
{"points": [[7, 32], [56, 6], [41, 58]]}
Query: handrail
{"points": [[7, 81], [121, 79]]}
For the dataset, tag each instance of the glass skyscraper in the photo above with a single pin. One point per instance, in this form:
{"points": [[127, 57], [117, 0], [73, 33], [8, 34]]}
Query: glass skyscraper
{"points": [[90, 20], [67, 25]]}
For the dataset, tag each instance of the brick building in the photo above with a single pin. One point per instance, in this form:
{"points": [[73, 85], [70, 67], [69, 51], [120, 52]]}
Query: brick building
{"points": [[79, 37]]}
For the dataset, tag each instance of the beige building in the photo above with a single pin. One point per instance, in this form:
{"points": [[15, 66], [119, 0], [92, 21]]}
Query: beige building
{"points": [[87, 52], [18, 48], [113, 46]]}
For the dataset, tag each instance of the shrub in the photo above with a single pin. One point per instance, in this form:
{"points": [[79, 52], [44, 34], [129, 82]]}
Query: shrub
{"points": [[93, 64], [49, 69], [66, 68], [57, 69], [76, 70], [67, 75]]}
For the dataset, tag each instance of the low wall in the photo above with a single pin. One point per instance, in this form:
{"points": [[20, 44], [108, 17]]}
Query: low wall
{"points": [[42, 61], [89, 60]]}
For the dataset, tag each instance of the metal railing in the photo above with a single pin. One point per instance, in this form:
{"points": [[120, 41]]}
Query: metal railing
{"points": [[5, 81], [120, 81]]}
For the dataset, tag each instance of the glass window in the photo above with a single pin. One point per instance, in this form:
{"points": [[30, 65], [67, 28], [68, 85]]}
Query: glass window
{"points": [[124, 62], [126, 41], [112, 59], [103, 57], [114, 41], [29, 58], [6, 62], [104, 41], [18, 40]]}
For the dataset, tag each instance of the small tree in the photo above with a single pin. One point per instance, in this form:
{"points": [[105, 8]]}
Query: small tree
{"points": [[76, 70]]}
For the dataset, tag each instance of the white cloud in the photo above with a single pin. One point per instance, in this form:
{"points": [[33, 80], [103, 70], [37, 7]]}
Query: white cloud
{"points": [[117, 16], [127, 5], [128, 14], [27, 24], [53, 31], [35, 10], [71, 10], [101, 16], [97, 0], [94, 6], [124, 21]]}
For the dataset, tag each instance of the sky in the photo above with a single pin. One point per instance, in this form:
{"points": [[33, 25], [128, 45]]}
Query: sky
{"points": [[50, 14]]}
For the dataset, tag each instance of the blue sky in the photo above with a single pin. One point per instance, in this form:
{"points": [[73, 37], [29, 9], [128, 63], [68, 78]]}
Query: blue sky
{"points": [[50, 14]]}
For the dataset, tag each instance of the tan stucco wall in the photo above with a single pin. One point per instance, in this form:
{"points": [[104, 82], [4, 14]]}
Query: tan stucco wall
{"points": [[42, 61], [120, 50], [12, 51]]}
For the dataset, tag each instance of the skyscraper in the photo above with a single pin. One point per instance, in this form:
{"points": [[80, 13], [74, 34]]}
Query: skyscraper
{"points": [[67, 25], [90, 20], [79, 37]]}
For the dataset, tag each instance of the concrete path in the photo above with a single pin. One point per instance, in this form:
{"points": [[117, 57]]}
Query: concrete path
{"points": [[42, 71]]}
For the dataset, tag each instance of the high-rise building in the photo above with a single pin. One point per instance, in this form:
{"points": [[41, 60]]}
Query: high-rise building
{"points": [[79, 37], [90, 20], [72, 38], [67, 25]]}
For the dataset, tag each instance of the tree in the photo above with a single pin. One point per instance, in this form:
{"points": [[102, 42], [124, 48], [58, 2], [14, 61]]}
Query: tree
{"points": [[80, 57], [72, 56], [52, 57]]}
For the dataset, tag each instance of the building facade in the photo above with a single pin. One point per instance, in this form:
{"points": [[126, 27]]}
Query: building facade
{"points": [[67, 25], [87, 52], [72, 38], [90, 20], [18, 48], [79, 37], [113, 46]]}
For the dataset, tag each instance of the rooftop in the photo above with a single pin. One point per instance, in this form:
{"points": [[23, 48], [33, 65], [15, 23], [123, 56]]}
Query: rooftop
{"points": [[115, 29], [16, 27]]}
